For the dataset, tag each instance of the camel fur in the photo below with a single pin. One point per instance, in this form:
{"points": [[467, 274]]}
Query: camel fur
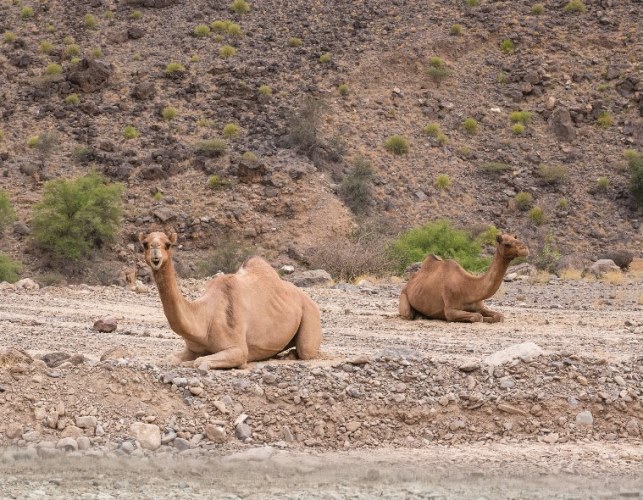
{"points": [[442, 289], [250, 315]]}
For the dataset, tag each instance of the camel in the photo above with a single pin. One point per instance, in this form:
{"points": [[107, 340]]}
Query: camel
{"points": [[250, 315], [441, 289]]}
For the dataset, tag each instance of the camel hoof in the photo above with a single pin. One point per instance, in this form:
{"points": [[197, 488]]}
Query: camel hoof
{"points": [[188, 364], [203, 368]]}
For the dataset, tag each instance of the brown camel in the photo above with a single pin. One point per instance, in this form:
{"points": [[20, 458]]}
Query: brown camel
{"points": [[441, 289], [247, 316]]}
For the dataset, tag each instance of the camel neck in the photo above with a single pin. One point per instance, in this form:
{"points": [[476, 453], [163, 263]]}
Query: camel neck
{"points": [[492, 279], [177, 309]]}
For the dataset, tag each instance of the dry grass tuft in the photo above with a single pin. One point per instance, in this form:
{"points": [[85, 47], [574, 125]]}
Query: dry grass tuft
{"points": [[614, 278], [571, 274], [541, 278]]}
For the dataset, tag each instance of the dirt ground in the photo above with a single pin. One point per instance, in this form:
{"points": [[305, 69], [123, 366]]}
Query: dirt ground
{"points": [[392, 409]]}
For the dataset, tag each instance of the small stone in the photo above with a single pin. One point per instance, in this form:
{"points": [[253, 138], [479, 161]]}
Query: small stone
{"points": [[181, 444], [87, 422], [287, 434], [525, 351], [215, 433], [27, 284], [168, 437], [619, 380], [353, 425], [127, 446], [67, 444], [507, 382], [149, 435], [83, 443], [470, 366], [13, 430], [585, 418], [197, 391], [243, 432], [31, 436], [581, 380], [269, 378], [551, 438], [105, 325], [287, 269], [632, 427]]}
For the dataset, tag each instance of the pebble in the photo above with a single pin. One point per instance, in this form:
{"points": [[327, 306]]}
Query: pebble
{"points": [[181, 444], [83, 443], [215, 433], [243, 432], [507, 382], [585, 418], [87, 422], [67, 444], [149, 435]]}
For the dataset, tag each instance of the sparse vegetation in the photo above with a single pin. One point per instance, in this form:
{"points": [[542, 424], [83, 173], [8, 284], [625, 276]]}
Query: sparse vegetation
{"points": [[605, 119], [72, 99], [443, 182], [537, 216], [304, 123], [227, 51], [50, 28], [169, 113], [442, 139], [356, 187], [130, 132], [231, 130], [570, 274], [215, 182], [507, 46], [494, 167], [82, 154], [437, 69], [470, 126], [547, 256], [575, 6], [265, 90], [324, 58], [523, 200], [442, 239], [240, 7], [68, 40], [44, 143], [518, 129], [456, 30], [602, 183], [635, 164], [174, 68], [201, 30], [212, 147], [235, 30], [136, 15], [108, 15], [552, 174], [397, 145], [343, 89], [77, 215], [91, 21], [53, 69], [9, 37], [7, 213], [46, 47], [472, 3], [9, 269], [72, 50], [249, 156], [294, 41], [227, 257], [562, 204], [502, 78], [523, 117], [26, 12], [432, 129], [96, 53], [537, 9]]}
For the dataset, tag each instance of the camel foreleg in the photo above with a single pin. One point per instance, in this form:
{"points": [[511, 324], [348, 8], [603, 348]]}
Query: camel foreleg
{"points": [[462, 316], [309, 335], [406, 310], [233, 357], [185, 356], [489, 316]]}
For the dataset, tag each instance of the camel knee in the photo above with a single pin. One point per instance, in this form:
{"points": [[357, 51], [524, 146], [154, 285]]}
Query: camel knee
{"points": [[406, 311], [309, 335]]}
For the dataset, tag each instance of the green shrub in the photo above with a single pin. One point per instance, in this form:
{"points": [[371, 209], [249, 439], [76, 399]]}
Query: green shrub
{"points": [[432, 129], [537, 216], [130, 132], [537, 9], [443, 182], [456, 30], [82, 154], [215, 182], [240, 7], [265, 90], [523, 117], [68, 40], [53, 69], [1, 135], [470, 126], [169, 113], [96, 53], [249, 156], [26, 12], [174, 68], [136, 14], [218, 26], [75, 60], [442, 239], [50, 279], [547, 256], [9, 269], [396, 144], [605, 119], [227, 257], [158, 196], [231, 130], [635, 163], [324, 58], [202, 30], [32, 141], [502, 78], [46, 47], [304, 124], [44, 143], [562, 204], [575, 6], [442, 139], [7, 213], [90, 21], [553, 174], [518, 128], [50, 28], [602, 183], [9, 37], [507, 46], [343, 89], [294, 41], [227, 51], [195, 58], [77, 215], [234, 29], [72, 99], [437, 69], [108, 14], [357, 187], [494, 167], [472, 3], [72, 50], [212, 147], [523, 200]]}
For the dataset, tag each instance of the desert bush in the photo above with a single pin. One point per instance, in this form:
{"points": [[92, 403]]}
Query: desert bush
{"points": [[547, 256], [130, 132], [537, 216], [136, 15], [231, 130], [82, 154], [77, 215], [227, 51], [570, 274], [74, 60], [215, 182], [201, 30], [442, 139], [443, 182], [523, 117], [343, 89], [1, 135], [507, 46], [72, 50], [265, 90], [442, 239], [397, 145], [240, 7], [108, 15], [9, 269], [472, 3], [537, 9], [44, 143], [502, 78], [90, 21], [174, 68], [518, 129], [169, 113], [46, 47], [552, 174], [219, 26], [26, 12], [50, 28], [51, 278], [437, 69], [72, 99], [562, 204], [357, 187], [294, 41], [304, 123], [575, 6], [494, 167], [211, 147], [523, 200], [9, 37], [470, 126], [227, 257], [432, 129], [635, 164], [7, 213], [53, 69], [456, 30], [235, 30], [195, 58], [605, 119], [96, 53], [602, 183], [325, 58]]}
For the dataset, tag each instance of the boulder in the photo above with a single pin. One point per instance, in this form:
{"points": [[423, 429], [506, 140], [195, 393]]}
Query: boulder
{"points": [[622, 258], [105, 325], [602, 266], [525, 351], [561, 124], [148, 435], [27, 284], [310, 278], [90, 75], [144, 91]]}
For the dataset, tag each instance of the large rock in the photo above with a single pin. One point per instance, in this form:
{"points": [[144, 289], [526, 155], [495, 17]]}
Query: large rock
{"points": [[310, 278], [105, 325], [602, 266], [11, 357], [27, 284], [561, 124], [148, 435], [90, 75], [144, 91], [526, 351], [622, 258]]}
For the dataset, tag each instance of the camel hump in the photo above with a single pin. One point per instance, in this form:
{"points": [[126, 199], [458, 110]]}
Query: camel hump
{"points": [[429, 261]]}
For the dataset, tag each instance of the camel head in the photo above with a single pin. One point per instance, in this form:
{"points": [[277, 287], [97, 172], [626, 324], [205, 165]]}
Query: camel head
{"points": [[510, 247], [158, 248]]}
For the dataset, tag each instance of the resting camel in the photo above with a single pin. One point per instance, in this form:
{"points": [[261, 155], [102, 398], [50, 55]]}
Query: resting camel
{"points": [[441, 289], [250, 315]]}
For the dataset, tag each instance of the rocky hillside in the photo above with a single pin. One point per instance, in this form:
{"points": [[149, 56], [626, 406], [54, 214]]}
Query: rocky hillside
{"points": [[576, 71]]}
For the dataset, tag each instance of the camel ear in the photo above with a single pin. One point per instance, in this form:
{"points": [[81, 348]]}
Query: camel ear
{"points": [[141, 237], [499, 238], [173, 237]]}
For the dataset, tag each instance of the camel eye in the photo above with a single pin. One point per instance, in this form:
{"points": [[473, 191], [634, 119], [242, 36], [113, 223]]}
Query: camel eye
{"points": [[507, 245]]}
